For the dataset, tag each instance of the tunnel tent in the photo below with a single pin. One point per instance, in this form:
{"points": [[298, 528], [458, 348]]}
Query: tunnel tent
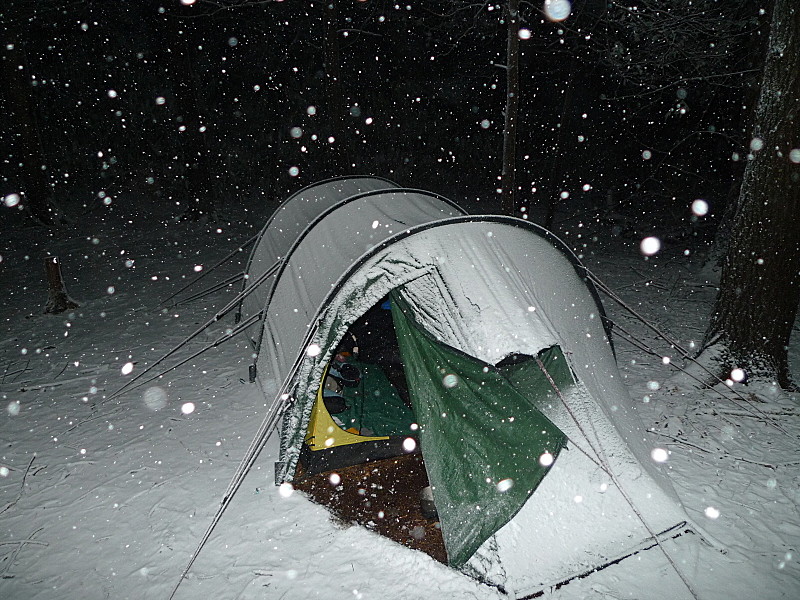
{"points": [[488, 288], [500, 304]]}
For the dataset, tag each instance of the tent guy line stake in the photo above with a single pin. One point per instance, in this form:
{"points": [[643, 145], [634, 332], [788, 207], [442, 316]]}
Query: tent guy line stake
{"points": [[240, 248], [607, 469], [217, 316]]}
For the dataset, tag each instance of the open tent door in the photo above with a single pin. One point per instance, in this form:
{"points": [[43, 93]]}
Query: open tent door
{"points": [[485, 443]]}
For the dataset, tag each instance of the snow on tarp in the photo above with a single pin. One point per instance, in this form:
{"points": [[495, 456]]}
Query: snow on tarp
{"points": [[489, 287], [482, 436]]}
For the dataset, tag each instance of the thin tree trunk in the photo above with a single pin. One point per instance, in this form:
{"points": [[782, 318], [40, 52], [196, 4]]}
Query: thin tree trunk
{"points": [[508, 200], [58, 301], [333, 91], [759, 292]]}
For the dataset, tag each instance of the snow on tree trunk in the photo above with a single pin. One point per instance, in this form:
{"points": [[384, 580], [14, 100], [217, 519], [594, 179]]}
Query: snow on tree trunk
{"points": [[759, 292]]}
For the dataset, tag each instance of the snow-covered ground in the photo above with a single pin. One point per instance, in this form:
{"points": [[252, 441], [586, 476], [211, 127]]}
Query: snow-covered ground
{"points": [[108, 498]]}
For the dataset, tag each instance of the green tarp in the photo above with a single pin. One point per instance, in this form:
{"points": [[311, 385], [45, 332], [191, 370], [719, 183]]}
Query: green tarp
{"points": [[481, 435]]}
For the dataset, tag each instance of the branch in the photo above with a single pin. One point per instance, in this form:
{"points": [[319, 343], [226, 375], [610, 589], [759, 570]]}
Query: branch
{"points": [[20, 545], [21, 488]]}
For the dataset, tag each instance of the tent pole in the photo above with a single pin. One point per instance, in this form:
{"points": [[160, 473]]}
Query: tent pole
{"points": [[216, 343], [210, 290], [267, 426]]}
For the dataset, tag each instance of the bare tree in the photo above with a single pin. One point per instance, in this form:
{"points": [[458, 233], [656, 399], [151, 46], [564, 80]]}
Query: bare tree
{"points": [[508, 201], [759, 291]]}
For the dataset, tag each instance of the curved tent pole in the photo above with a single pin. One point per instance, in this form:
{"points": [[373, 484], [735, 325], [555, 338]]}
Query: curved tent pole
{"points": [[327, 211], [282, 206]]}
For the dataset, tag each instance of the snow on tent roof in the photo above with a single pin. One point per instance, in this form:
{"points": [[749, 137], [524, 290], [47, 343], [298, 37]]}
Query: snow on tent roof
{"points": [[321, 254]]}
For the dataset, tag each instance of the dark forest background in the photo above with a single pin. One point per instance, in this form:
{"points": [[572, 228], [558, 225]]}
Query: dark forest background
{"points": [[631, 108]]}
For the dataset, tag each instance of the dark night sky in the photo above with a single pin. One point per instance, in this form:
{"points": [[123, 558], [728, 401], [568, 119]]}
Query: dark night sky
{"points": [[219, 98]]}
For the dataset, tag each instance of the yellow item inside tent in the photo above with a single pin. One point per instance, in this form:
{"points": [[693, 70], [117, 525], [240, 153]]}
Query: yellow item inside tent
{"points": [[323, 432]]}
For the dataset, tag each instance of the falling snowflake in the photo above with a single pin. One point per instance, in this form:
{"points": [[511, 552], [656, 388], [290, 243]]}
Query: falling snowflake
{"points": [[557, 10], [650, 246]]}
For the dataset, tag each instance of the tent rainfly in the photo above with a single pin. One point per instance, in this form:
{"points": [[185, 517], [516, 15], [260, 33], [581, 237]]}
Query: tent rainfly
{"points": [[527, 433]]}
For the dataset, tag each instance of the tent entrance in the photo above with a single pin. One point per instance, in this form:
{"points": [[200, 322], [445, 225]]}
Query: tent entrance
{"points": [[382, 496], [357, 462], [486, 443]]}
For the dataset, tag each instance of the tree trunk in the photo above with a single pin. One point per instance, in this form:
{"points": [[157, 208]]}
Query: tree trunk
{"points": [[334, 99], [58, 301], [759, 292], [508, 200]]}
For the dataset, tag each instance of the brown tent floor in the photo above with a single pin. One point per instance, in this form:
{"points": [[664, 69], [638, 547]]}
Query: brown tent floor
{"points": [[382, 496]]}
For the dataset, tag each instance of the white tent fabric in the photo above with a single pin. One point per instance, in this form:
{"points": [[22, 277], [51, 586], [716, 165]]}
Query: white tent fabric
{"points": [[319, 258], [287, 223], [492, 286], [488, 286]]}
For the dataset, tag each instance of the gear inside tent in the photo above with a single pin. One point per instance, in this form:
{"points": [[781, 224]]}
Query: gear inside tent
{"points": [[448, 381]]}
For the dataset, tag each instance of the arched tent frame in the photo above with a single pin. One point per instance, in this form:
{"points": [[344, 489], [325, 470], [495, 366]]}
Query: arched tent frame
{"points": [[607, 429], [318, 284], [348, 301], [342, 233], [295, 214]]}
